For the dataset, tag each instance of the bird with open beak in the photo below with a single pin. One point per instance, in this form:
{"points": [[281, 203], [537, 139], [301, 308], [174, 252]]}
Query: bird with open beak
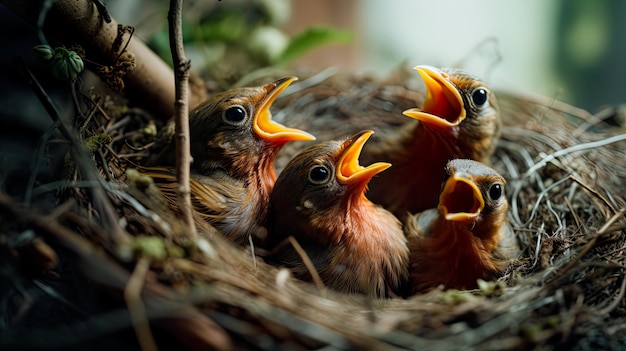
{"points": [[354, 245], [459, 119], [467, 236], [234, 142]]}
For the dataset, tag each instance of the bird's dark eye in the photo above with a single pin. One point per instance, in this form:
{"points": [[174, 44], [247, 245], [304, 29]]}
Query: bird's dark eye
{"points": [[495, 192], [235, 115], [480, 96], [319, 175]]}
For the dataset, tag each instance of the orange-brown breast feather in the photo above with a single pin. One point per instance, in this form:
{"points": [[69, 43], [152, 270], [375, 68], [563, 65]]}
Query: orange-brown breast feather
{"points": [[467, 237], [420, 150], [453, 257], [355, 245]]}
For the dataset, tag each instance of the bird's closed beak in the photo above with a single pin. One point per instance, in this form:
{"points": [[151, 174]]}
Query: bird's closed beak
{"points": [[348, 170], [443, 106], [461, 199], [268, 129]]}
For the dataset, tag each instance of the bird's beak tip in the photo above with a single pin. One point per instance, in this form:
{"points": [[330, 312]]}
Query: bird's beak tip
{"points": [[269, 129], [349, 170], [443, 106]]}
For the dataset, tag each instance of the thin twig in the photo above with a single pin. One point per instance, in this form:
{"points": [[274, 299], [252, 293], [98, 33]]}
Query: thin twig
{"points": [[553, 104], [590, 244], [38, 160], [96, 106], [573, 213], [165, 228], [106, 170], [251, 242], [309, 265], [310, 82], [594, 192], [136, 308], [540, 196], [493, 63], [575, 148], [527, 134], [538, 245], [83, 161], [616, 301], [596, 119], [181, 114], [47, 224]]}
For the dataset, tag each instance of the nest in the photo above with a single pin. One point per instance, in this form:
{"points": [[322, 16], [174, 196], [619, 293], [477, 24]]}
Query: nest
{"points": [[111, 271]]}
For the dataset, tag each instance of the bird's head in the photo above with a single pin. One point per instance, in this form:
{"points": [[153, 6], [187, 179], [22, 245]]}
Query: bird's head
{"points": [[473, 194], [234, 129], [322, 185], [461, 109]]}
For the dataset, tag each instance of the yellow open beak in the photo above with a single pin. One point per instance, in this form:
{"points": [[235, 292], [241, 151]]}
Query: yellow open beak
{"points": [[348, 170], [263, 124], [461, 199], [443, 106]]}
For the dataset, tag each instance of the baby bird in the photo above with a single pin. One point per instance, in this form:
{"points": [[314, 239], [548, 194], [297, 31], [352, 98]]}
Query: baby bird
{"points": [[319, 199], [467, 237], [459, 119], [234, 142]]}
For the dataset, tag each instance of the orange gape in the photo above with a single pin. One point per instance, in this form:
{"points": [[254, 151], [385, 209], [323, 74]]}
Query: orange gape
{"points": [[459, 119], [234, 142], [467, 236], [319, 199]]}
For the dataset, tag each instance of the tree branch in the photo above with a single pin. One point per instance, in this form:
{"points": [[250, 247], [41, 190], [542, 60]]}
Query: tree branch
{"points": [[181, 113], [80, 22]]}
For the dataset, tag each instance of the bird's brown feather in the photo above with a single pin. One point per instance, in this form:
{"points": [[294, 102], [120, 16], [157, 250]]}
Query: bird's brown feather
{"points": [[455, 253], [419, 151], [355, 245], [234, 144]]}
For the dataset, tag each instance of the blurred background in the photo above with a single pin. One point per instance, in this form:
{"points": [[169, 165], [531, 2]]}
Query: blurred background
{"points": [[570, 50]]}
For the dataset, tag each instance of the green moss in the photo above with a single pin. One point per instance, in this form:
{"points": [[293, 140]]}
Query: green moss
{"points": [[457, 297], [94, 142], [153, 247]]}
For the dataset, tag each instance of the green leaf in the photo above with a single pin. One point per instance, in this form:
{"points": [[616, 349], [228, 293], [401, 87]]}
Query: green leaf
{"points": [[160, 43], [229, 28], [310, 39]]}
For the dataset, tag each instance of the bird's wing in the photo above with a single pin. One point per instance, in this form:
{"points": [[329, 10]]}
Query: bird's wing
{"points": [[508, 245], [418, 225], [211, 195], [286, 255]]}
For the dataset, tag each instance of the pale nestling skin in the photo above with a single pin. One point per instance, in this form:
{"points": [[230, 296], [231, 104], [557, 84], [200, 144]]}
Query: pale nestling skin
{"points": [[234, 142], [467, 237], [319, 199], [459, 119]]}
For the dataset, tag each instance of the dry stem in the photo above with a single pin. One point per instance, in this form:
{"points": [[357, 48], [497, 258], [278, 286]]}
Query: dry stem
{"points": [[307, 262], [79, 22], [83, 162], [137, 310], [181, 118], [590, 244]]}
